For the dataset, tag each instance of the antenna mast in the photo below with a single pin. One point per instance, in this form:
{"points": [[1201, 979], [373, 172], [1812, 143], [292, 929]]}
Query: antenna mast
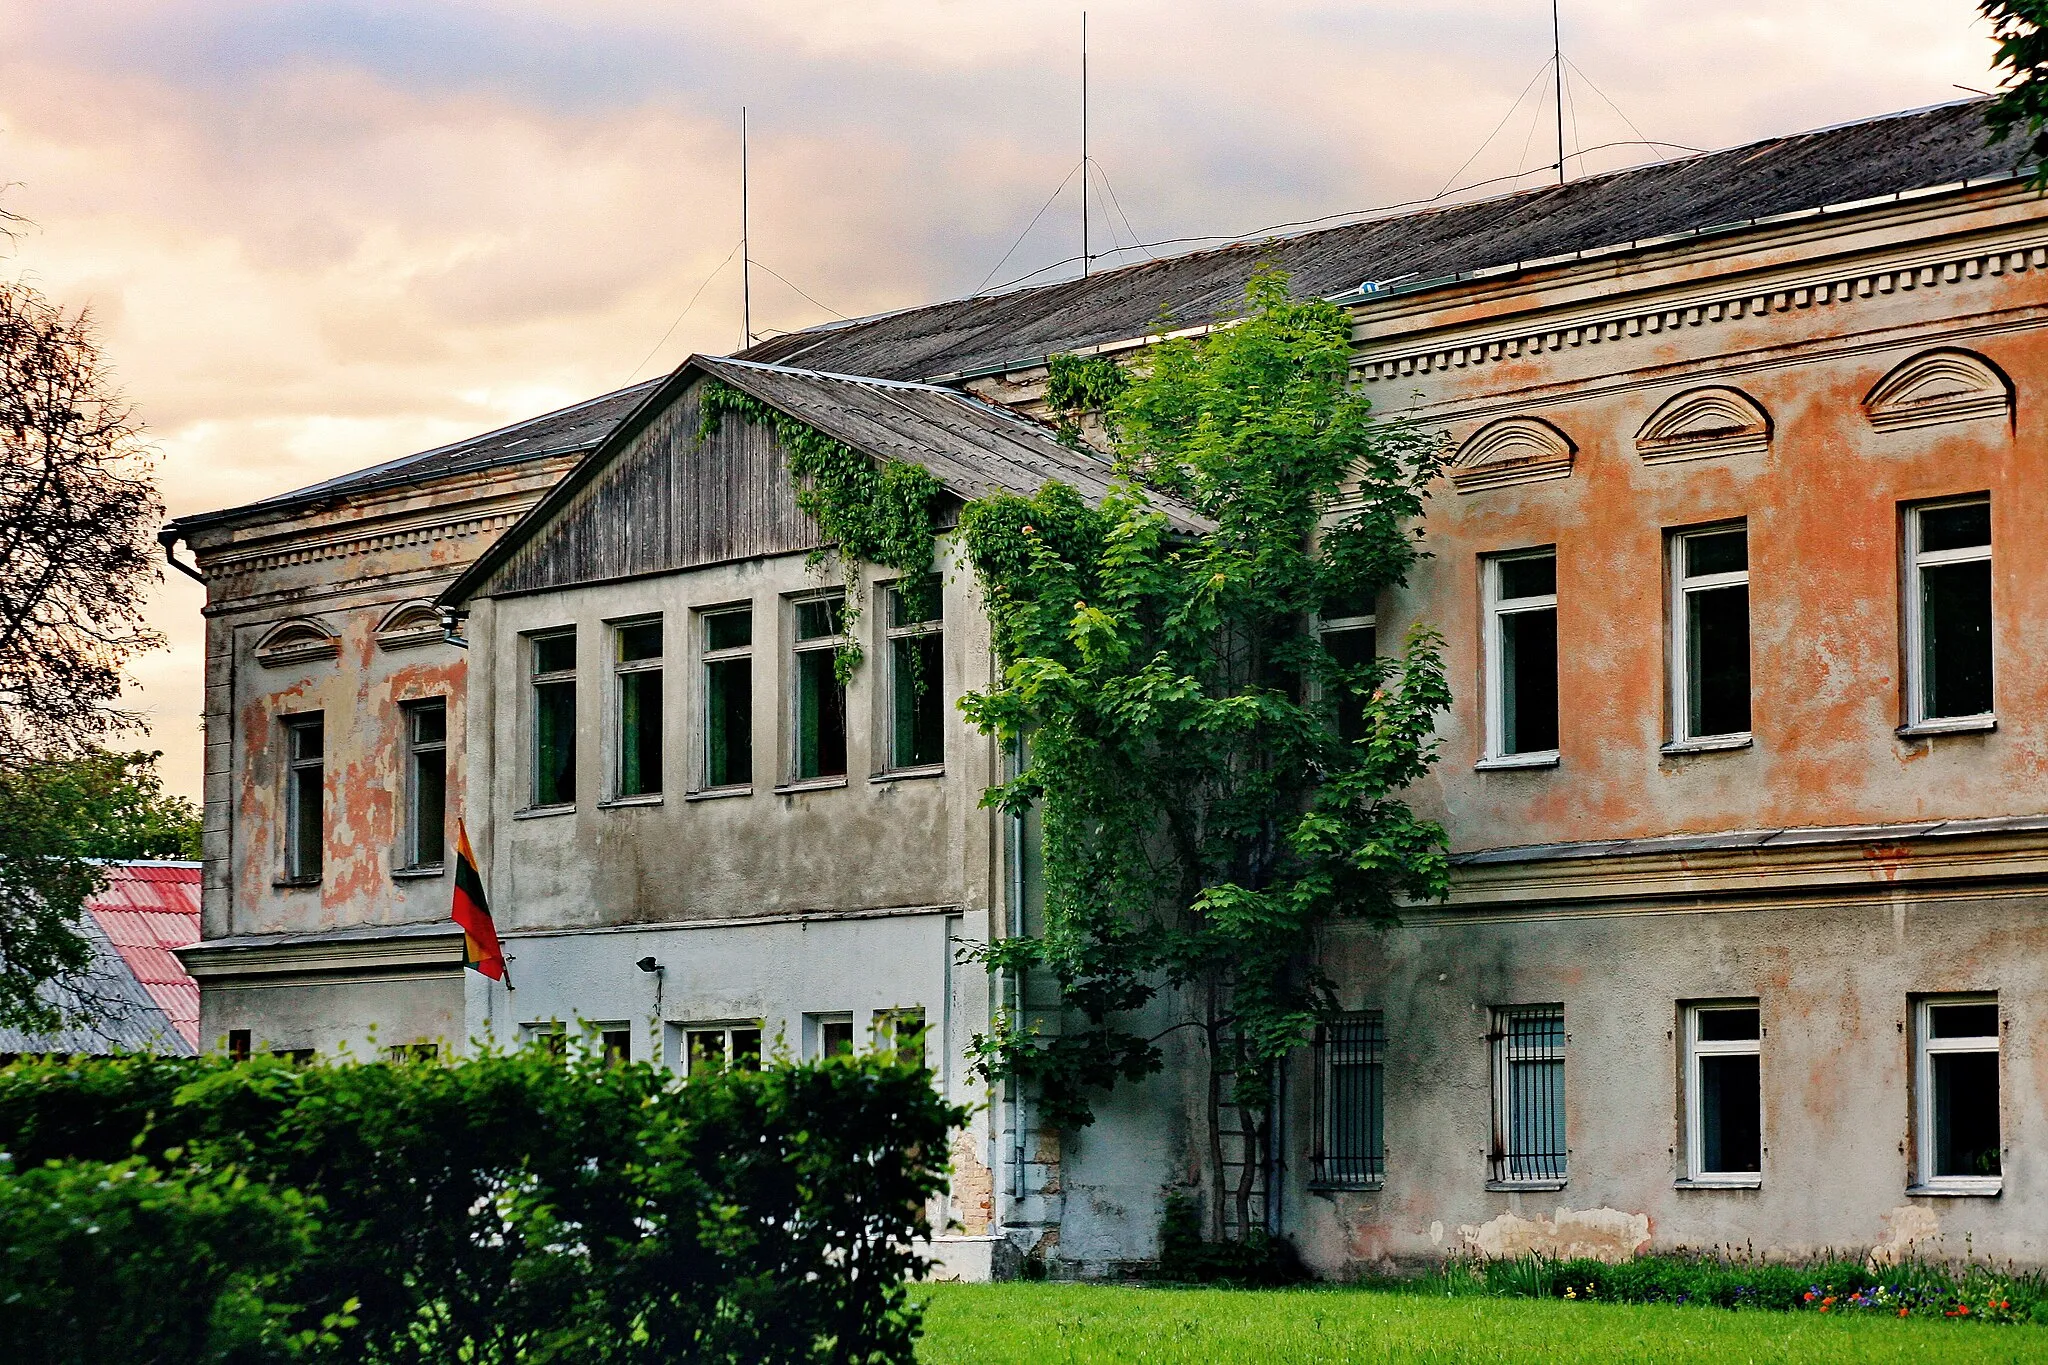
{"points": [[746, 249], [1084, 144], [1557, 68]]}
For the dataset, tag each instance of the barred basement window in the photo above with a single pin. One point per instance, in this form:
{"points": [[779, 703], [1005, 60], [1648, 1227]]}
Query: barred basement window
{"points": [[916, 662], [553, 663], [636, 671], [728, 698], [1521, 658], [1528, 1095], [1350, 1080], [1955, 1079], [305, 832], [1710, 634], [1948, 613], [820, 698]]}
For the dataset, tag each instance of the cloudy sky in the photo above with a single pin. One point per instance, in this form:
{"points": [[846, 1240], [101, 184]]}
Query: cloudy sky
{"points": [[319, 235]]}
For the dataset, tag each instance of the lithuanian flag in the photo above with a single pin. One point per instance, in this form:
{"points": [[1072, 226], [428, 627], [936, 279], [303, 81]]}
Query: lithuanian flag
{"points": [[479, 935]]}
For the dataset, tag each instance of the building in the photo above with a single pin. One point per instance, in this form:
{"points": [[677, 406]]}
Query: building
{"points": [[138, 995], [1746, 940]]}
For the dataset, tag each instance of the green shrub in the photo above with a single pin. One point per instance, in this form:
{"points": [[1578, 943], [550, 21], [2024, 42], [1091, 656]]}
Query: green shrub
{"points": [[525, 1207], [1184, 1257], [121, 1261], [1914, 1289]]}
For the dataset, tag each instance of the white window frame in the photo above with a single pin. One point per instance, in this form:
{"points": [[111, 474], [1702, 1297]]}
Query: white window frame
{"points": [[415, 750], [679, 1034], [1925, 1047], [706, 657], [297, 772], [814, 1031], [1696, 1049], [891, 633], [615, 721], [1917, 559], [1683, 586], [535, 680], [1497, 610], [797, 648]]}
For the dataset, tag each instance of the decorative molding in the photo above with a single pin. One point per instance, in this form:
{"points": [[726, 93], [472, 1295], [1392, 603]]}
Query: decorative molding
{"points": [[343, 546], [1511, 450], [1702, 423], [1783, 297], [409, 626], [1945, 385], [300, 640]]}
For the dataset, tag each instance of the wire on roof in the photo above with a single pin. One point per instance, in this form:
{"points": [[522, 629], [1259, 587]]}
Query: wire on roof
{"points": [[1026, 232], [763, 265], [686, 312]]}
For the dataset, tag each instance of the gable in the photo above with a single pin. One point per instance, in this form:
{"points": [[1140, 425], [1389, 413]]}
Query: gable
{"points": [[667, 501]]}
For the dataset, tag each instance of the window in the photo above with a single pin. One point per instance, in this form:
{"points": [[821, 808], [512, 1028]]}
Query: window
{"points": [[1710, 634], [637, 673], [830, 1035], [413, 1052], [1350, 1077], [1956, 1083], [820, 696], [426, 784], [728, 698], [1528, 1095], [551, 1037], [1724, 1094], [554, 718], [615, 1042], [305, 782], [1521, 657], [239, 1045], [916, 673], [715, 1047], [1351, 636], [1948, 612], [899, 1035]]}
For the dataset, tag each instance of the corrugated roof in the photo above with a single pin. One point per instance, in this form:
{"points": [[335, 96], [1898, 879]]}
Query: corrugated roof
{"points": [[973, 447], [146, 1001], [1845, 165], [565, 431]]}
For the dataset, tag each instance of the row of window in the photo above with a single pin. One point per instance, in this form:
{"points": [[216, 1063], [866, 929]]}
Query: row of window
{"points": [[1955, 1096], [423, 823], [724, 659], [698, 1048], [1947, 653]]}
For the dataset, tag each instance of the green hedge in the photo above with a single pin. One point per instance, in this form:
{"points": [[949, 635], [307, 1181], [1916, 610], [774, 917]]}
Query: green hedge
{"points": [[1914, 1289], [526, 1207]]}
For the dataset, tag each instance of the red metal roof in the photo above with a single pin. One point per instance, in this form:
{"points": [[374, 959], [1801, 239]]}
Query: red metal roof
{"points": [[147, 910]]}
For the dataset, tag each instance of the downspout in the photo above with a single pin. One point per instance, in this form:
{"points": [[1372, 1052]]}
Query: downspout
{"points": [[169, 538], [1013, 985]]}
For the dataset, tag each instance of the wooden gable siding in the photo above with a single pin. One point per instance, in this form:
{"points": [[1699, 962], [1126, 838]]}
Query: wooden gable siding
{"points": [[668, 501]]}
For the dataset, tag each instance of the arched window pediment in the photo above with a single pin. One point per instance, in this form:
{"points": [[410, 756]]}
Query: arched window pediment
{"points": [[1512, 450], [1702, 424], [1939, 386], [410, 625], [295, 642]]}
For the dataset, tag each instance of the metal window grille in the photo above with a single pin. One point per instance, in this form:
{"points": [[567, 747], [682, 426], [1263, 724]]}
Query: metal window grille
{"points": [[1528, 1094], [1350, 1099]]}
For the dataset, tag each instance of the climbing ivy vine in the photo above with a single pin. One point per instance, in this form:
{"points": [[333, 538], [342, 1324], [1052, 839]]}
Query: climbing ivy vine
{"points": [[871, 512], [1080, 384], [1215, 783]]}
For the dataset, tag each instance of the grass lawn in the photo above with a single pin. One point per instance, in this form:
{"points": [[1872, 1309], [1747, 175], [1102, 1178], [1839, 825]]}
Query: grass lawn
{"points": [[1069, 1324]]}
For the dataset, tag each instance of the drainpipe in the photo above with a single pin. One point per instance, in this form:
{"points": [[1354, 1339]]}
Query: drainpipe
{"points": [[169, 538], [1013, 986]]}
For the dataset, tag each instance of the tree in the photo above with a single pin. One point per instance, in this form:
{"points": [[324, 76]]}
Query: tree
{"points": [[59, 820], [78, 516], [2020, 28], [1216, 783]]}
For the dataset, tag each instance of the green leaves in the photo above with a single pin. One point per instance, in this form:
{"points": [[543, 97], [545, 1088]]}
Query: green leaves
{"points": [[508, 1207], [2020, 28], [1202, 817]]}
